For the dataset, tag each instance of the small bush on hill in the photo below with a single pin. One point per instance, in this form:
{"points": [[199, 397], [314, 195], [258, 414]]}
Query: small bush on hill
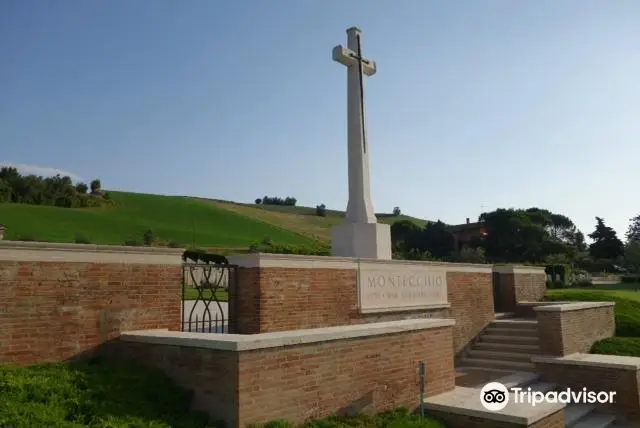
{"points": [[627, 311], [321, 210], [81, 239]]}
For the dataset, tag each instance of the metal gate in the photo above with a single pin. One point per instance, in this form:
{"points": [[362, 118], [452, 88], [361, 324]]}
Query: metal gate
{"points": [[207, 288]]}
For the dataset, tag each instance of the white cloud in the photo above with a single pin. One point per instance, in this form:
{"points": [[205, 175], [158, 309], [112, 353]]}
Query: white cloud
{"points": [[40, 170]]}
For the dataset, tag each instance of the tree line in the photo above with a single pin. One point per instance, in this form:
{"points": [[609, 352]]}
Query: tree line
{"points": [[58, 191], [531, 235], [276, 200]]}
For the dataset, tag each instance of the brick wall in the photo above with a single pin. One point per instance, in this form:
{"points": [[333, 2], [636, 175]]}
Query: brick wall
{"points": [[515, 284], [555, 420], [564, 329], [53, 311], [270, 299], [298, 382], [625, 381]]}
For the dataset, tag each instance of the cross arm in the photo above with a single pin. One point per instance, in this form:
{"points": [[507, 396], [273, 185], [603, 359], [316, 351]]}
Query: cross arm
{"points": [[349, 58]]}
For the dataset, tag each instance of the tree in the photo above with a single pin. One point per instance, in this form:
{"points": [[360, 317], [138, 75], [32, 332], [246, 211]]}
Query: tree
{"points": [[82, 188], [632, 256], [633, 234], [396, 211], [437, 240], [321, 210], [258, 201], [149, 237], [96, 186], [606, 245]]}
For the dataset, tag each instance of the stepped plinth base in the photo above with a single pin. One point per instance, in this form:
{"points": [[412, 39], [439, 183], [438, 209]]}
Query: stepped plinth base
{"points": [[361, 240]]}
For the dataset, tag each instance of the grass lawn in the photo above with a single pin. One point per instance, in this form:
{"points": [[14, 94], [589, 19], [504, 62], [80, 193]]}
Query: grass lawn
{"points": [[627, 315], [108, 394], [180, 219], [105, 395], [192, 294], [396, 419]]}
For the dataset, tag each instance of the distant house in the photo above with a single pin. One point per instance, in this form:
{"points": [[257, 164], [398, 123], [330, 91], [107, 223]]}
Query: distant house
{"points": [[463, 234]]}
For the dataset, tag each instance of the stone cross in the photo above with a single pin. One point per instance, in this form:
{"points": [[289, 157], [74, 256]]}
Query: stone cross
{"points": [[361, 236], [359, 208]]}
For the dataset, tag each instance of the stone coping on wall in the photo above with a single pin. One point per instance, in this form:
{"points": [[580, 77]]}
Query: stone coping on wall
{"points": [[517, 269], [241, 342], [20, 251], [296, 261], [593, 360], [575, 306]]}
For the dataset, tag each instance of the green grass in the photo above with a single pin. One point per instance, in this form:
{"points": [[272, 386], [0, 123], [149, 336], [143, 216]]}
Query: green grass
{"points": [[190, 293], [627, 310], [102, 395], [627, 346], [109, 394], [397, 419], [183, 220]]}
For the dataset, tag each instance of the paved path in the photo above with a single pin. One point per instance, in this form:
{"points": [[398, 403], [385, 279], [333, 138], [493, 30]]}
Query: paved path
{"points": [[219, 316]]}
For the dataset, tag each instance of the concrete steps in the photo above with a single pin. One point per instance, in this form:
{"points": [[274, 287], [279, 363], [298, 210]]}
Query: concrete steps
{"points": [[464, 401], [505, 344]]}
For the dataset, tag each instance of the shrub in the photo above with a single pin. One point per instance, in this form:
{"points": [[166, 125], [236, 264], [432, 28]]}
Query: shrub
{"points": [[258, 201], [96, 186], [173, 244], [321, 210], [627, 346], [396, 211], [315, 250], [148, 237], [82, 188], [81, 239], [27, 238], [132, 243]]}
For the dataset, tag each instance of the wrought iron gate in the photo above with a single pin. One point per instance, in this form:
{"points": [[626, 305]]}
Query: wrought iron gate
{"points": [[207, 287]]}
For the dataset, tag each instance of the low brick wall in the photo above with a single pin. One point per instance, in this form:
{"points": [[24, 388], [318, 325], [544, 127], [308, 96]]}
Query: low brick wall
{"points": [[300, 375], [59, 301], [288, 292], [608, 373], [568, 328], [516, 284]]}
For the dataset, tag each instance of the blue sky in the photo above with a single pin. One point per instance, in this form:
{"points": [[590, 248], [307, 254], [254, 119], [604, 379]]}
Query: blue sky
{"points": [[475, 104]]}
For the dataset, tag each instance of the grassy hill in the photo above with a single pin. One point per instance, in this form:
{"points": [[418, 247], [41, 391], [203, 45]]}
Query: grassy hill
{"points": [[183, 220]]}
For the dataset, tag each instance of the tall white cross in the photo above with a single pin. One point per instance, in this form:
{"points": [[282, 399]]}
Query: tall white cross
{"points": [[359, 207]]}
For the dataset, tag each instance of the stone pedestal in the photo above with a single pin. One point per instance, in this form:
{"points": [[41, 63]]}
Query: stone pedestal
{"points": [[361, 240]]}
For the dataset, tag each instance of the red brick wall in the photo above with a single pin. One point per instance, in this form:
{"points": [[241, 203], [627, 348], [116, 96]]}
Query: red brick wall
{"points": [[301, 382], [514, 288], [623, 381], [52, 311], [564, 333], [280, 299]]}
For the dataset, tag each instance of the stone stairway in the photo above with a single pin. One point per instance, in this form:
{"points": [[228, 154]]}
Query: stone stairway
{"points": [[507, 344], [580, 415], [465, 401]]}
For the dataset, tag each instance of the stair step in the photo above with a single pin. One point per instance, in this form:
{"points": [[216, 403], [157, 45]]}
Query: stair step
{"points": [[574, 412], [595, 420], [494, 338], [504, 331], [516, 365], [543, 387], [507, 347], [500, 355], [525, 325], [518, 379]]}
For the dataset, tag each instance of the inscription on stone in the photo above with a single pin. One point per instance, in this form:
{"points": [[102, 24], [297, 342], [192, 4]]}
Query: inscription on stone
{"points": [[400, 287]]}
